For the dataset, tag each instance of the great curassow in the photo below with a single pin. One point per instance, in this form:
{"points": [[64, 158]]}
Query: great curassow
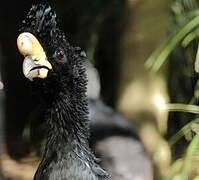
{"points": [[113, 138], [56, 72]]}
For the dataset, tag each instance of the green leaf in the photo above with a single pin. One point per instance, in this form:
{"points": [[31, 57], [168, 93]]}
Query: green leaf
{"points": [[184, 130], [174, 169], [191, 151], [183, 108], [158, 57], [190, 37]]}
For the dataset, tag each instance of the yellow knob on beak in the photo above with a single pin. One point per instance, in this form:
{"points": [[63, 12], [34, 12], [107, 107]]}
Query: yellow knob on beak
{"points": [[29, 46]]}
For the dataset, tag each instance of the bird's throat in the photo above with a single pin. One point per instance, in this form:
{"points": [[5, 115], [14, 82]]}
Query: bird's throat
{"points": [[67, 123]]}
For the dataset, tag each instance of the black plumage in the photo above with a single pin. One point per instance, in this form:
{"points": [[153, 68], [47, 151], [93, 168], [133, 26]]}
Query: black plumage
{"points": [[67, 155]]}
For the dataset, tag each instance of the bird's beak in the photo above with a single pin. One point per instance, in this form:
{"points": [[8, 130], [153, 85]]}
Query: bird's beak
{"points": [[36, 64]]}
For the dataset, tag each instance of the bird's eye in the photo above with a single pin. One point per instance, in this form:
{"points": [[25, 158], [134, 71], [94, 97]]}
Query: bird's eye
{"points": [[60, 55]]}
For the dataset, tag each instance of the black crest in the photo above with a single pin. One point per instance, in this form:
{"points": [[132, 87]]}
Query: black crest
{"points": [[40, 20]]}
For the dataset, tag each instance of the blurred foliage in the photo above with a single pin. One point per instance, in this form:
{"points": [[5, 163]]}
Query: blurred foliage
{"points": [[179, 50], [183, 29]]}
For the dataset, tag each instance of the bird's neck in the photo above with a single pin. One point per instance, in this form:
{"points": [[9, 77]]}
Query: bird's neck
{"points": [[67, 137], [67, 122]]}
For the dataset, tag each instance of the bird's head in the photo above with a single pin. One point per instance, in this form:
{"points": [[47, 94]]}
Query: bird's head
{"points": [[47, 53]]}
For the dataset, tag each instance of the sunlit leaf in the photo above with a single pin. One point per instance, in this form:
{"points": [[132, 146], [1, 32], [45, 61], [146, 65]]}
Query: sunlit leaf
{"points": [[183, 108]]}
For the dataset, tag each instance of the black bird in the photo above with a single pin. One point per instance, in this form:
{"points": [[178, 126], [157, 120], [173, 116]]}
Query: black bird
{"points": [[56, 72], [113, 138]]}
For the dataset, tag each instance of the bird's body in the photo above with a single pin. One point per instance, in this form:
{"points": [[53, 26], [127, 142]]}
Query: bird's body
{"points": [[116, 142], [113, 138], [57, 74]]}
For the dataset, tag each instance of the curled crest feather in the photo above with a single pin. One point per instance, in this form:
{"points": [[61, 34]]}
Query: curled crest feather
{"points": [[40, 17], [41, 21]]}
